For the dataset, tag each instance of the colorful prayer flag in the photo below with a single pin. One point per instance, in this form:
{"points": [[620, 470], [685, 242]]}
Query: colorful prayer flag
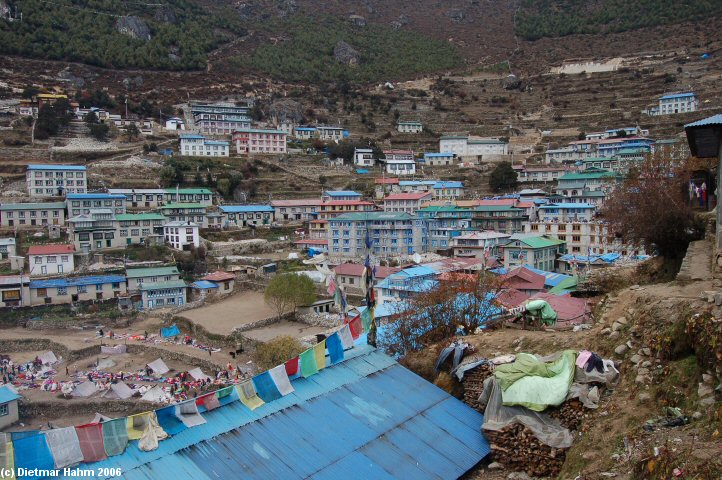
{"points": [[366, 319], [115, 436], [335, 348], [137, 424], [346, 337], [266, 387], [64, 445], [90, 437], [280, 378], [319, 353], [291, 367], [247, 393], [308, 363], [356, 327]]}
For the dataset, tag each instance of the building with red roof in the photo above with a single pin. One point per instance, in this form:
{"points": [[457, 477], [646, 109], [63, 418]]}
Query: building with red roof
{"points": [[54, 259], [224, 280], [406, 202], [524, 280]]}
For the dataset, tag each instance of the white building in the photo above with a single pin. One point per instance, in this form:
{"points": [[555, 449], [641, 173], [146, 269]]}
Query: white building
{"points": [[175, 124], [364, 157], [410, 127], [401, 167], [439, 159], [182, 235], [334, 134], [406, 202], [470, 146], [55, 180], [684, 102], [51, 259], [200, 146], [7, 248], [478, 244]]}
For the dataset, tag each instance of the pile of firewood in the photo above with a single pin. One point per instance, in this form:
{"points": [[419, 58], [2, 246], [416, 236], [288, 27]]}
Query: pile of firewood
{"points": [[518, 449], [570, 414], [474, 385]]}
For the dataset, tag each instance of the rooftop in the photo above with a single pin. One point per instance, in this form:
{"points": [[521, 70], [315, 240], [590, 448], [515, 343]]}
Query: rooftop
{"points": [[169, 206], [124, 217], [80, 168], [342, 193], [161, 285], [374, 216], [370, 418], [301, 202], [7, 395], [151, 272], [356, 270], [32, 206], [677, 95], [256, 130], [76, 281], [408, 196], [189, 191], [219, 276], [94, 196], [55, 249]]}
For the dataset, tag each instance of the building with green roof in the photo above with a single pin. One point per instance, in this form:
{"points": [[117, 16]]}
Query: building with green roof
{"points": [[189, 195], [185, 212], [537, 251], [500, 218], [137, 277], [163, 294]]}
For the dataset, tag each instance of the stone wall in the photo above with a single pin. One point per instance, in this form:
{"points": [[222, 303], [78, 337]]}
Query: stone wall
{"points": [[54, 409]]}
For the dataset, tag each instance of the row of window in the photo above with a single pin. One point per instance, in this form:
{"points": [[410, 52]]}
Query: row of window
{"points": [[43, 292], [60, 174], [33, 213], [59, 183]]}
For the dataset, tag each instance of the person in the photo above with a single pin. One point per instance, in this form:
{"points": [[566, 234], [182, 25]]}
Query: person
{"points": [[101, 333], [67, 371], [145, 335]]}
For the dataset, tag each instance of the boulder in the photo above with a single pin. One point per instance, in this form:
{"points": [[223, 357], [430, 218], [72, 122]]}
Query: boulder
{"points": [[644, 397], [495, 466], [616, 326], [606, 331], [646, 351], [456, 15], [346, 54], [621, 349], [635, 359], [707, 402], [165, 14], [133, 27], [707, 378], [614, 335], [622, 320], [696, 415], [704, 390]]}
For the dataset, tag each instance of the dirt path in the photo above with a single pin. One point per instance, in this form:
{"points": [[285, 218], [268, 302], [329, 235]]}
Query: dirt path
{"points": [[239, 309]]}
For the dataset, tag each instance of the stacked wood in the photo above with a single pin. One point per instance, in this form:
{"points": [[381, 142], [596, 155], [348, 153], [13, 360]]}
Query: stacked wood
{"points": [[569, 414], [474, 384], [518, 449]]}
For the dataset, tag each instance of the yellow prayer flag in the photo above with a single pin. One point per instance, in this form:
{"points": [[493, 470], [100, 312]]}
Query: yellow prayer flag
{"points": [[247, 393], [319, 353], [137, 424]]}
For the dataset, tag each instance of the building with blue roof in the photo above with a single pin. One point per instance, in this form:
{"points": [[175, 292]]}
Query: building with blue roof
{"points": [[551, 279], [83, 203], [570, 262], [406, 283], [340, 195], [364, 417], [200, 146], [673, 103], [566, 212], [438, 159], [55, 291], [9, 412], [245, 215], [55, 180], [448, 190]]}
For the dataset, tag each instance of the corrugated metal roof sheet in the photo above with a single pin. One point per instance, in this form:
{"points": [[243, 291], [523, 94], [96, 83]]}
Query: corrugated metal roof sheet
{"points": [[75, 281], [366, 417]]}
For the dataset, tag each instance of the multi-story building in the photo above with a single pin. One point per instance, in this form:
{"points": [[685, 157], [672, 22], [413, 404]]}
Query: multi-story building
{"points": [[182, 235], [304, 133], [189, 195], [537, 251], [51, 259], [166, 294], [300, 210], [185, 212], [76, 289], [409, 127], [245, 215], [400, 167], [500, 218], [55, 180], [139, 228], [572, 184], [439, 159], [318, 229], [364, 157], [250, 140], [95, 230], [7, 248], [398, 155], [583, 237], [350, 275], [406, 202], [470, 146], [200, 146], [404, 284], [479, 244], [334, 208], [673, 103], [330, 134], [444, 223], [448, 190], [539, 174], [220, 119], [566, 212], [392, 234], [141, 198], [83, 203], [136, 277], [30, 215]]}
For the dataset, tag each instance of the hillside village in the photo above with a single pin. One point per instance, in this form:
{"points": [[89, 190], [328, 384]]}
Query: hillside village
{"points": [[434, 259]]}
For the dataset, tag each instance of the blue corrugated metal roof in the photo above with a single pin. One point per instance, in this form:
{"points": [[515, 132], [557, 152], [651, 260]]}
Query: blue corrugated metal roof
{"points": [[552, 279], [56, 167], [448, 184], [713, 120], [677, 95], [74, 281], [366, 417], [433, 155], [246, 208], [342, 193], [203, 285], [7, 395], [567, 206]]}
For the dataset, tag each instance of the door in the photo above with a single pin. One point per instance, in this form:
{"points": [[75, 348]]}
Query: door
{"points": [[180, 300], [60, 268], [43, 270], [150, 304]]}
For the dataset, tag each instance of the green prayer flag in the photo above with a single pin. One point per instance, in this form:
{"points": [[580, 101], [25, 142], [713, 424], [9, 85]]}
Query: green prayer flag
{"points": [[366, 319], [308, 363]]}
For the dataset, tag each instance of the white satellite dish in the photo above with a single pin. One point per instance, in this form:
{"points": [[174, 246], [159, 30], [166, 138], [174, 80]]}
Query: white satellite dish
{"points": [[416, 257]]}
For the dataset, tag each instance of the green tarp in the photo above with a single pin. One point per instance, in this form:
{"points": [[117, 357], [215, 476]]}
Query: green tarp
{"points": [[541, 307], [535, 384]]}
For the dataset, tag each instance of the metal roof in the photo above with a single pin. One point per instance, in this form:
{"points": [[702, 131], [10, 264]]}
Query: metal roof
{"points": [[704, 136], [130, 217], [246, 208], [32, 206], [7, 395], [203, 285], [151, 272], [162, 285], [76, 281], [342, 193], [366, 417], [677, 95], [56, 167]]}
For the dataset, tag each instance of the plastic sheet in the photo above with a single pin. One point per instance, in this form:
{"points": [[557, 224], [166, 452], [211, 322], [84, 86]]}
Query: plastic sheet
{"points": [[497, 416], [152, 434], [159, 367], [65, 446], [85, 389], [171, 331]]}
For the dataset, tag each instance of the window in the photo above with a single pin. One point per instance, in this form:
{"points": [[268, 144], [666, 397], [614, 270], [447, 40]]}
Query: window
{"points": [[4, 409], [99, 287], [82, 289], [53, 259], [42, 292], [135, 232], [62, 290], [38, 260]]}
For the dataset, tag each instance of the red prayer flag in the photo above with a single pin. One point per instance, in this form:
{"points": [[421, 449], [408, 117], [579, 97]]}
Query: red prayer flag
{"points": [[202, 399], [356, 327], [90, 437], [292, 366]]}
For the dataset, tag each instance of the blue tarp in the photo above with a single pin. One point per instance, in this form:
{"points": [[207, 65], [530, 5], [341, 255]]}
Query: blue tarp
{"points": [[171, 331], [33, 452], [362, 171]]}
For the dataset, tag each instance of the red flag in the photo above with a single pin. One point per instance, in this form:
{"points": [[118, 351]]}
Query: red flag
{"points": [[356, 327], [202, 399], [292, 366]]}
